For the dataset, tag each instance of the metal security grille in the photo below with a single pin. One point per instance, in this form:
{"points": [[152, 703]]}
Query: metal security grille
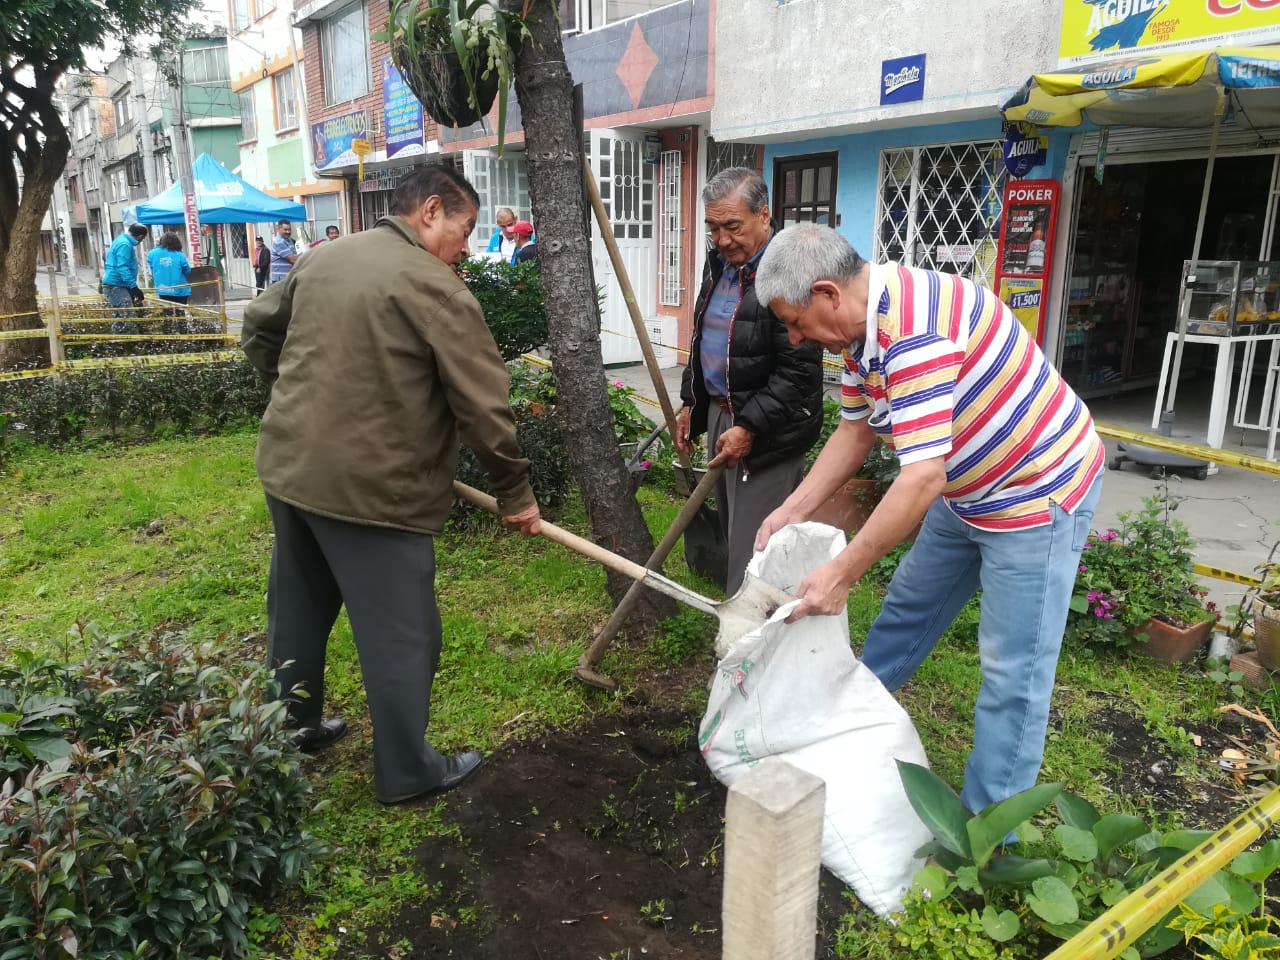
{"points": [[939, 207], [626, 187], [670, 240], [722, 156]]}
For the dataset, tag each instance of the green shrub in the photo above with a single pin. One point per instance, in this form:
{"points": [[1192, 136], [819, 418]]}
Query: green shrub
{"points": [[135, 401], [181, 798], [511, 299], [685, 636]]}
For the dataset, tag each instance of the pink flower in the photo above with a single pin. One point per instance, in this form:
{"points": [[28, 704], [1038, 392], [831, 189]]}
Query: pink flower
{"points": [[1109, 534], [1094, 595], [1083, 568], [618, 383], [646, 464]]}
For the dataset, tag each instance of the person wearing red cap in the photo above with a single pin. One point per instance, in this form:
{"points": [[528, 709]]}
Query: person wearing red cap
{"points": [[526, 245]]}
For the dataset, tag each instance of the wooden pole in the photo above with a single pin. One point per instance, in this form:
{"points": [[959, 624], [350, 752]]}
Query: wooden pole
{"points": [[54, 325], [773, 857]]}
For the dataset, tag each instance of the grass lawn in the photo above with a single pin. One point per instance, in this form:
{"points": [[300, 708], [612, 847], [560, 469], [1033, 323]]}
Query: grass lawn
{"points": [[177, 531]]}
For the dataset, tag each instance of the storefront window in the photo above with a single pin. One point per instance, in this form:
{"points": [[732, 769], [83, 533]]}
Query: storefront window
{"points": [[939, 208]]}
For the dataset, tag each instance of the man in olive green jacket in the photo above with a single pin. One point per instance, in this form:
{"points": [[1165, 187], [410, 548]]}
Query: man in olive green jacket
{"points": [[380, 362]]}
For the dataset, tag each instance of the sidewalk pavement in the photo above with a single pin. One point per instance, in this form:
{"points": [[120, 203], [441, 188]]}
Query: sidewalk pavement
{"points": [[1233, 516]]}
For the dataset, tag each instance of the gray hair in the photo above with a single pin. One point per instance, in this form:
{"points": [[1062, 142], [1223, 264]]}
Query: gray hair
{"points": [[799, 257], [740, 181]]}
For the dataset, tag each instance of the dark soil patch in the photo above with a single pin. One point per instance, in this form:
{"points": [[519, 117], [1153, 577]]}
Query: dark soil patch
{"points": [[1153, 775], [606, 842]]}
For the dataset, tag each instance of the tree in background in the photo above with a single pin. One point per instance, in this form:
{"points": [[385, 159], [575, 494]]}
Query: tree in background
{"points": [[40, 40], [553, 153]]}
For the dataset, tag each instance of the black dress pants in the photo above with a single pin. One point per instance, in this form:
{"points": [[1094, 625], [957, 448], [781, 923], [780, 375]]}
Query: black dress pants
{"points": [[386, 578]]}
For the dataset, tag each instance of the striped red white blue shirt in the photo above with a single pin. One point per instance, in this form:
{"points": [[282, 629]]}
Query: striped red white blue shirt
{"points": [[947, 371]]}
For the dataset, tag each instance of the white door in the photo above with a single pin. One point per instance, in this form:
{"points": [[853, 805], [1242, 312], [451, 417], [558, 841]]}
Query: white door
{"points": [[627, 189], [500, 182]]}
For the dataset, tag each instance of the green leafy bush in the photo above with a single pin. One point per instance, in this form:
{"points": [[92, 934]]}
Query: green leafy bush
{"points": [[1229, 934], [511, 299], [135, 401], [179, 798], [1130, 575], [1088, 863]]}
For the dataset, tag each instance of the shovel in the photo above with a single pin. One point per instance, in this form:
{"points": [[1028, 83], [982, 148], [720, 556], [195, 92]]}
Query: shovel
{"points": [[748, 609], [586, 670]]}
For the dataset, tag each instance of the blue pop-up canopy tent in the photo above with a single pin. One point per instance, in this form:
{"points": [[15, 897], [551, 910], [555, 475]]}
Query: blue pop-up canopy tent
{"points": [[221, 197]]}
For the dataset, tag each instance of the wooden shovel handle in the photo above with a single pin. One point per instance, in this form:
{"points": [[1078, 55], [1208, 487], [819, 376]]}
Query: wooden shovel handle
{"points": [[561, 536]]}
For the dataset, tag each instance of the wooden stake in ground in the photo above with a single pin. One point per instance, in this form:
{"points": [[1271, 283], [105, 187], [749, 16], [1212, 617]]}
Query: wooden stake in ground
{"points": [[553, 154]]}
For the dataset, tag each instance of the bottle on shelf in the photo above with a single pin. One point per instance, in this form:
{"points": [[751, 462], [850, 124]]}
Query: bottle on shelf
{"points": [[1035, 252]]}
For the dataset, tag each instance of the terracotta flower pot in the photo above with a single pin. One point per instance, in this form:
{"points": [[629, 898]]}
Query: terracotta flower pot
{"points": [[1167, 643], [1266, 635], [849, 507]]}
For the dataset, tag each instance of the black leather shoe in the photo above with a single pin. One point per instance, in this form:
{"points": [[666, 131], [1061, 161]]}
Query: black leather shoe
{"points": [[330, 731], [458, 770]]}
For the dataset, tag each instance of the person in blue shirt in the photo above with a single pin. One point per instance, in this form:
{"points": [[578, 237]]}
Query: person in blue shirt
{"points": [[283, 252], [120, 276], [169, 270], [504, 240]]}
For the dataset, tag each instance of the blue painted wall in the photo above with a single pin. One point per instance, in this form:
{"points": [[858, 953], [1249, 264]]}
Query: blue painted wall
{"points": [[859, 165]]}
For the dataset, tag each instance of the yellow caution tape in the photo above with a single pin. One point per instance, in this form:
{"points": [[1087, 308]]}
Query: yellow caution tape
{"points": [[12, 316], [1218, 573], [1125, 922], [125, 337], [40, 333], [27, 374], [152, 360], [1194, 450]]}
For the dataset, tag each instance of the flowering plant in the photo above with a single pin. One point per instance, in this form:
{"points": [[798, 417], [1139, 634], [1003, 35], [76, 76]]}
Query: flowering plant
{"points": [[1141, 571]]}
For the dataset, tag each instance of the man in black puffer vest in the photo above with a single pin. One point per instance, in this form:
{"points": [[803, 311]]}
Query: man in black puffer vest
{"points": [[756, 397]]}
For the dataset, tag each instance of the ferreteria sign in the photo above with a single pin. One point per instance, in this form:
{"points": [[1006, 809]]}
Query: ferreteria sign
{"points": [[1094, 30]]}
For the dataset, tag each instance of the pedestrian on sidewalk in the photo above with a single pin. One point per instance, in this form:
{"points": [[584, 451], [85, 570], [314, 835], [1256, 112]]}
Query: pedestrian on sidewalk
{"points": [[120, 278], [261, 265], [757, 396], [284, 252], [169, 271], [999, 458]]}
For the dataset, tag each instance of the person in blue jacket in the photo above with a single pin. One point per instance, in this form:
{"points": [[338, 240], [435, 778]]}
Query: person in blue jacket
{"points": [[504, 240], [120, 276], [169, 270]]}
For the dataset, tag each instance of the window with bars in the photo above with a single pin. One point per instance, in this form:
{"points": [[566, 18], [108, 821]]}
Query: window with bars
{"points": [[722, 156], [939, 207], [626, 187], [670, 219], [804, 189]]}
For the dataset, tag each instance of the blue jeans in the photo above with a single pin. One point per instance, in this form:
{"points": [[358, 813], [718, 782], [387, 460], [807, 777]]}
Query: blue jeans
{"points": [[1026, 578], [122, 302]]}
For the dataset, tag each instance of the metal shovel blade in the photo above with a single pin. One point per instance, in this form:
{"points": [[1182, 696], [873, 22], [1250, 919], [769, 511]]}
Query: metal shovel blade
{"points": [[747, 610]]}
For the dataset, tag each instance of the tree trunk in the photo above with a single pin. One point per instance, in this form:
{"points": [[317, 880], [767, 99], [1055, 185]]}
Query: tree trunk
{"points": [[18, 306], [553, 153]]}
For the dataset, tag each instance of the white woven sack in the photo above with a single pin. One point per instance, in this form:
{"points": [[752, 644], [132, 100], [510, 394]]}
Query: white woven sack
{"points": [[797, 691]]}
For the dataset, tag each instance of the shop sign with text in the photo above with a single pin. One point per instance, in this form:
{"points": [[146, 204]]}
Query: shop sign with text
{"points": [[402, 114], [902, 80], [332, 139], [1094, 30]]}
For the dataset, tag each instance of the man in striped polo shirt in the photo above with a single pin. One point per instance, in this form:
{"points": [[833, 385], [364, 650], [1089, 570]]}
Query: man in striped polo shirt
{"points": [[999, 457]]}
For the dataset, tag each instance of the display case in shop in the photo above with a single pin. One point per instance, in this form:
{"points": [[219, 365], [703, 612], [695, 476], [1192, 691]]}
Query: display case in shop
{"points": [[1231, 298]]}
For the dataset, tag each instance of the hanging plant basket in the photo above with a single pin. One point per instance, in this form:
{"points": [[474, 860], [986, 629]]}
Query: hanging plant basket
{"points": [[438, 81]]}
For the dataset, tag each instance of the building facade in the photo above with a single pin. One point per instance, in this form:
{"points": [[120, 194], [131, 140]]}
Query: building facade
{"points": [[646, 72], [904, 152]]}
